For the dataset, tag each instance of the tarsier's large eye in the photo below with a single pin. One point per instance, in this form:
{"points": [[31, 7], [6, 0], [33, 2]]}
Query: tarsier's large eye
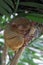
{"points": [[13, 24]]}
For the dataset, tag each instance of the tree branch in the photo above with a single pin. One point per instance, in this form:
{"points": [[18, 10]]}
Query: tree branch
{"points": [[4, 55], [17, 56]]}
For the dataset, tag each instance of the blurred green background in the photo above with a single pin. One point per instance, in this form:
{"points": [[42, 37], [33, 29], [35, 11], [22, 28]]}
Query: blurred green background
{"points": [[33, 54]]}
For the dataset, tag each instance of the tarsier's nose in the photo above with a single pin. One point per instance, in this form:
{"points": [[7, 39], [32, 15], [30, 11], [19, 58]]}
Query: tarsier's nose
{"points": [[20, 27]]}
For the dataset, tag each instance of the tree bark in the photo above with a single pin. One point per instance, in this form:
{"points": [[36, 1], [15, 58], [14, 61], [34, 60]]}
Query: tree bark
{"points": [[17, 56], [4, 55]]}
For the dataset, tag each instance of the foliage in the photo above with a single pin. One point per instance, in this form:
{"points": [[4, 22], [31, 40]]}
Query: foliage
{"points": [[33, 54]]}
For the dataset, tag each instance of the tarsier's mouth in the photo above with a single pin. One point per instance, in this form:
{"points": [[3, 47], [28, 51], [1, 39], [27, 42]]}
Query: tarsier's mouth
{"points": [[11, 37]]}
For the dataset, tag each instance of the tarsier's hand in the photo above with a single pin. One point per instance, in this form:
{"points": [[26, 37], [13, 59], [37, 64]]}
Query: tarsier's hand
{"points": [[17, 32]]}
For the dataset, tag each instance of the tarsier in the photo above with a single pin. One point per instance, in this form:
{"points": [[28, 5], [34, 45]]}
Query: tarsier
{"points": [[18, 33]]}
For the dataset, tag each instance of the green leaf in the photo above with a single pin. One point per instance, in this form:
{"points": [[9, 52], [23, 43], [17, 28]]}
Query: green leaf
{"points": [[33, 4], [35, 17]]}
